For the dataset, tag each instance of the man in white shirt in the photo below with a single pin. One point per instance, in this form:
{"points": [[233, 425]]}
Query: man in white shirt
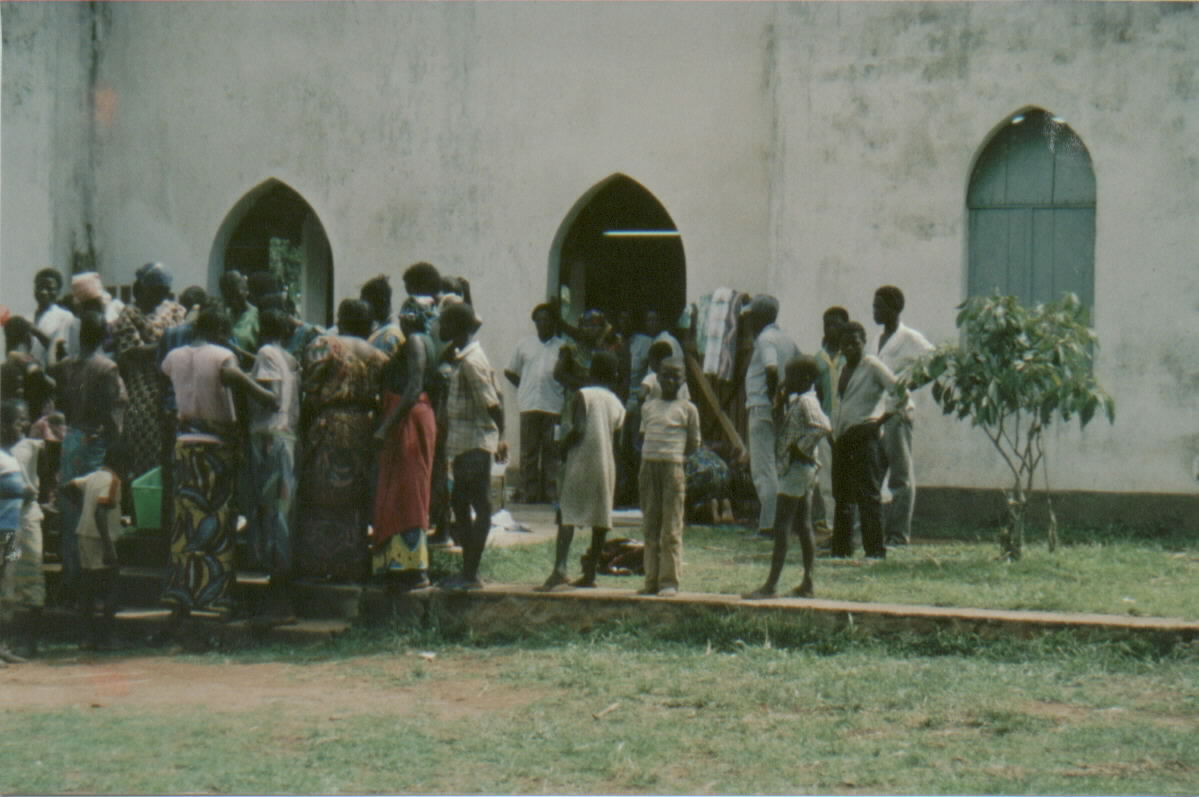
{"points": [[539, 397], [772, 351], [51, 320], [866, 403], [899, 346]]}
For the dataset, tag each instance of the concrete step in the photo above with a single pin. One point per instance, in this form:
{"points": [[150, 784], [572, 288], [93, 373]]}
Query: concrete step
{"points": [[140, 586], [135, 627], [506, 609]]}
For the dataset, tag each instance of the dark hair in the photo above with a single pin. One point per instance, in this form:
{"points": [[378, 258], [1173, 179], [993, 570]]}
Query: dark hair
{"points": [[660, 349], [9, 407], [604, 368], [192, 296], [804, 368], [544, 307], [422, 279], [17, 329], [262, 283], [212, 323], [451, 284], [229, 281], [377, 292], [92, 329], [765, 307], [116, 458], [459, 317], [272, 324], [50, 273], [892, 296], [837, 312], [673, 362], [354, 318], [852, 328]]}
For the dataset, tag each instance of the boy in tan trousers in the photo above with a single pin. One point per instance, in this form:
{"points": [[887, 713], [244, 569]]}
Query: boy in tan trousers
{"points": [[670, 426]]}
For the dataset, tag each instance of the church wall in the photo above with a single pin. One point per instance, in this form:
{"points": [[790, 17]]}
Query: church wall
{"points": [[45, 204], [814, 150]]}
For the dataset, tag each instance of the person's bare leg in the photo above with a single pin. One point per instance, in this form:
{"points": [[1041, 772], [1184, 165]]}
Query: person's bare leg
{"points": [[784, 517], [557, 577], [591, 560], [807, 543]]}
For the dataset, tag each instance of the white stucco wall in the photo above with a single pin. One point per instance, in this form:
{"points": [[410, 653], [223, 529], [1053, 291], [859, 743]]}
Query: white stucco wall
{"points": [[44, 132], [815, 150], [883, 117]]}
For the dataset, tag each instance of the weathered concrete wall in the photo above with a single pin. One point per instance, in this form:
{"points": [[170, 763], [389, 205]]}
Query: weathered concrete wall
{"points": [[883, 109], [816, 150], [45, 204]]}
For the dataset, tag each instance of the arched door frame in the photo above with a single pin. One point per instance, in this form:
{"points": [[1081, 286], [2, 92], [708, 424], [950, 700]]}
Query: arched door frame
{"points": [[554, 265], [237, 214]]}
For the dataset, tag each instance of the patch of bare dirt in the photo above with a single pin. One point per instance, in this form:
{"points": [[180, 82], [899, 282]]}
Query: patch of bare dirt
{"points": [[401, 685]]}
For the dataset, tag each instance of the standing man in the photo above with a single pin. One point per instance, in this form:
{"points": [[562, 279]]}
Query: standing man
{"points": [[830, 361], [386, 335], [235, 291], [539, 397], [476, 429], [772, 351], [899, 346], [50, 320], [865, 404]]}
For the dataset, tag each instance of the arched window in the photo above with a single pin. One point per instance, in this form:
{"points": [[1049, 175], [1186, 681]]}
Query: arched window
{"points": [[618, 250], [273, 228], [1031, 206]]}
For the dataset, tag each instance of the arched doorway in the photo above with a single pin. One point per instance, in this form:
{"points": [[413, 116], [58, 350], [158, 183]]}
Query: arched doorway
{"points": [[1031, 207], [273, 228], [618, 250]]}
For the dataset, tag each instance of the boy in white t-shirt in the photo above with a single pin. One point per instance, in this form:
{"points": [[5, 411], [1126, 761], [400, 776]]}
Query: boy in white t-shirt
{"points": [[97, 533], [670, 429]]}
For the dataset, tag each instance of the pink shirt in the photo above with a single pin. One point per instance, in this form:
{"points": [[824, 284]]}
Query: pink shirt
{"points": [[195, 373]]}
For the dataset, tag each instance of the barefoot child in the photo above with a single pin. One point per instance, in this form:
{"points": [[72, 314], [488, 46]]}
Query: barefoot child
{"points": [[804, 426], [97, 533], [18, 497], [593, 418], [670, 426], [22, 582]]}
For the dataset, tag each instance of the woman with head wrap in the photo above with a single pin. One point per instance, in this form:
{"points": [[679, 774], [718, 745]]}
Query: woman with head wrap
{"points": [[408, 436], [135, 343], [340, 383]]}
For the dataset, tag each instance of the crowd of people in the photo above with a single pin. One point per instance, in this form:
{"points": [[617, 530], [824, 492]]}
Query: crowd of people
{"points": [[349, 452]]}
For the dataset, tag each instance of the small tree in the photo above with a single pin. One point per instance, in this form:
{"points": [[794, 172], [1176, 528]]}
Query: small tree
{"points": [[1014, 372]]}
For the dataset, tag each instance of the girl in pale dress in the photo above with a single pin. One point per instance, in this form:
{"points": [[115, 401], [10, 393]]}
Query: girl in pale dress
{"points": [[591, 420]]}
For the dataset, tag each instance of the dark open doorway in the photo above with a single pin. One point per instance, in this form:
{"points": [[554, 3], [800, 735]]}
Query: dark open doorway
{"points": [[273, 228], [617, 250]]}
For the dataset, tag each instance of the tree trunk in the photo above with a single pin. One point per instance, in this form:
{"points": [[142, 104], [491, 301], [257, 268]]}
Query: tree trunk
{"points": [[1011, 539]]}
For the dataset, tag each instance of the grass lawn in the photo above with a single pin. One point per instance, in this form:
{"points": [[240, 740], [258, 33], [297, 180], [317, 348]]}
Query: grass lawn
{"points": [[723, 704], [616, 711], [1110, 573]]}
